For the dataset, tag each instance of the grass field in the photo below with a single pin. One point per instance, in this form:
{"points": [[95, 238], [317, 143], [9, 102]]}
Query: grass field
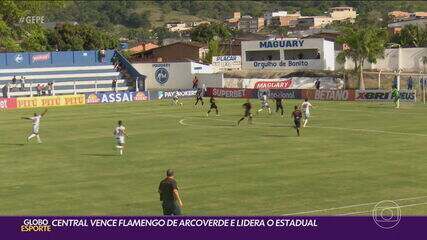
{"points": [[352, 156]]}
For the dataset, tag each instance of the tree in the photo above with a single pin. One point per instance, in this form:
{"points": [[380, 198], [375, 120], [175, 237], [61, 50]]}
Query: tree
{"points": [[363, 44], [411, 36], [206, 32], [214, 50]]}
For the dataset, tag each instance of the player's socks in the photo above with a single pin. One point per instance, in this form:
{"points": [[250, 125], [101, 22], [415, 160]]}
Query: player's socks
{"points": [[298, 131], [238, 122], [38, 139], [305, 122], [31, 136]]}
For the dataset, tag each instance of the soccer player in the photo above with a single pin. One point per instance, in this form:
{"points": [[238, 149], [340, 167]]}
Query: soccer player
{"points": [[213, 106], [297, 115], [279, 105], [199, 96], [395, 95], [247, 106], [119, 134], [175, 99], [264, 103], [36, 125], [305, 106]]}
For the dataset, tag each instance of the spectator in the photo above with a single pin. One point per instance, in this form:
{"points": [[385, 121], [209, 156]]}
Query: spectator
{"points": [[394, 85], [13, 84], [410, 83], [114, 85], [318, 55], [50, 88], [44, 89], [195, 82], [39, 89], [22, 83], [300, 56], [317, 84], [101, 55]]}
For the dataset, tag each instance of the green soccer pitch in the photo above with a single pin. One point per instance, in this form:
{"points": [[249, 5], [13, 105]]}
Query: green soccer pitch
{"points": [[350, 157]]}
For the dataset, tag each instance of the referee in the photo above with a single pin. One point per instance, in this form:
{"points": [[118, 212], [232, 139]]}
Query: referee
{"points": [[168, 190]]}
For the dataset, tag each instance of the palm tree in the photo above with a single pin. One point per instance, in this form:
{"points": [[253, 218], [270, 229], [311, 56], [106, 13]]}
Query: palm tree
{"points": [[363, 44]]}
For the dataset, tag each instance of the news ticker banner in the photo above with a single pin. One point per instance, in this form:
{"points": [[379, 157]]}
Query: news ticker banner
{"points": [[192, 227]]}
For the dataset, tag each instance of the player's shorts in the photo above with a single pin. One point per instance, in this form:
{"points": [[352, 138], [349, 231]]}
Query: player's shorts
{"points": [[175, 98], [306, 115], [214, 106], [297, 123], [248, 114], [265, 105], [36, 129], [120, 140]]}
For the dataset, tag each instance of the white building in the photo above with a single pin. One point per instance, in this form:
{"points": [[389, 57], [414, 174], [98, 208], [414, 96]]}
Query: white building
{"points": [[177, 75], [289, 53], [269, 15]]}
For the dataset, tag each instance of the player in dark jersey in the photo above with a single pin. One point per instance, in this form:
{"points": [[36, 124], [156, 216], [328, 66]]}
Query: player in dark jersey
{"points": [[279, 105], [199, 96], [297, 115], [247, 106], [213, 106]]}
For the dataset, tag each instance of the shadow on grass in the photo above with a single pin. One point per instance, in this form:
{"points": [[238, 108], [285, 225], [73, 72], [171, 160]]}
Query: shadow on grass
{"points": [[98, 155], [278, 136], [12, 144]]}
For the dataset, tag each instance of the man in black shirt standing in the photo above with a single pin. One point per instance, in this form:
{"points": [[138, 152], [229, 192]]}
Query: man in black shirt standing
{"points": [[247, 106], [168, 190]]}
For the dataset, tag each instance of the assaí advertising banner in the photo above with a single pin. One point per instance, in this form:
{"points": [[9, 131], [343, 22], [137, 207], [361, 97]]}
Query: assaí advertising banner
{"points": [[8, 103], [50, 101], [112, 97], [381, 95]]}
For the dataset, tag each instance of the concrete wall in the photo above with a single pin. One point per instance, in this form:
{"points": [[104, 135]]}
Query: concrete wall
{"points": [[177, 75], [410, 60]]}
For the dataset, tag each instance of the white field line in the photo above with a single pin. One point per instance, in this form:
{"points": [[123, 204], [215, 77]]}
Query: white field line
{"points": [[324, 127], [350, 206], [400, 206]]}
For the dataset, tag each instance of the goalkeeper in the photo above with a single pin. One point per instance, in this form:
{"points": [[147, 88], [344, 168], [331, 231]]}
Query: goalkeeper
{"points": [[396, 96]]}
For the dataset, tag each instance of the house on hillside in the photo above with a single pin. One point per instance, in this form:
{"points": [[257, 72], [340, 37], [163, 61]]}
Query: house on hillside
{"points": [[141, 47], [180, 51]]}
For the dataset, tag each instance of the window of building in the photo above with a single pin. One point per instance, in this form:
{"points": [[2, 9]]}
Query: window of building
{"points": [[301, 54], [271, 55]]}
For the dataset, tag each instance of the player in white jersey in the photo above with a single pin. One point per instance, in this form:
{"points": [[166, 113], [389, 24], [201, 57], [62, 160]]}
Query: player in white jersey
{"points": [[264, 103], [305, 106], [119, 134], [175, 98], [36, 125]]}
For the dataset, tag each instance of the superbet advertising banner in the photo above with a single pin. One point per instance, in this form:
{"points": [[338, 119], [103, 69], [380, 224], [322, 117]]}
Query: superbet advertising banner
{"points": [[8, 103], [384, 96], [230, 92]]}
